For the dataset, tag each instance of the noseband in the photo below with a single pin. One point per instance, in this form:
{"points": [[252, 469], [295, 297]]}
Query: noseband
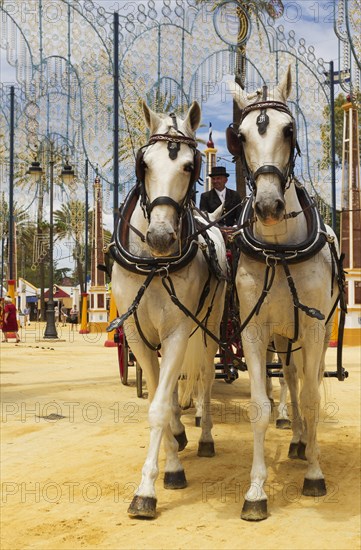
{"points": [[174, 143], [262, 122]]}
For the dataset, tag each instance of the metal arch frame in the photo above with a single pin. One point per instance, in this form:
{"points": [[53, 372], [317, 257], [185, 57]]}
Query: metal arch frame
{"points": [[358, 62], [216, 53], [21, 32], [185, 22], [36, 67], [344, 35], [180, 88]]}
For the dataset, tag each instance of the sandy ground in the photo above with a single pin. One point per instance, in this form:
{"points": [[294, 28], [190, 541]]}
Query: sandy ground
{"points": [[74, 440]]}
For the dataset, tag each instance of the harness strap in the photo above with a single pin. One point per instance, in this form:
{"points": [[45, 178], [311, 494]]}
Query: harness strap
{"points": [[205, 292], [271, 169], [310, 311], [171, 291], [141, 334], [338, 262], [119, 321], [268, 282], [164, 200], [215, 223], [288, 353], [134, 229]]}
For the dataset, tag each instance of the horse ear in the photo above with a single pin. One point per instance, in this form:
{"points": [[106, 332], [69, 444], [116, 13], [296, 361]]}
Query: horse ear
{"points": [[151, 118], [285, 86], [193, 117], [238, 94]]}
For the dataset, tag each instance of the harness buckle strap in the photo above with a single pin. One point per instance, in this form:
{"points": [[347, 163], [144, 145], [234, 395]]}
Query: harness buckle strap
{"points": [[329, 238]]}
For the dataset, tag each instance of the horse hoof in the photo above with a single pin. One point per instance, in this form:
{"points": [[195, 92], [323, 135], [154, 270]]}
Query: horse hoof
{"points": [[301, 451], [283, 423], [254, 510], [182, 441], [197, 421], [175, 480], [293, 450], [314, 487], [143, 507], [206, 448]]}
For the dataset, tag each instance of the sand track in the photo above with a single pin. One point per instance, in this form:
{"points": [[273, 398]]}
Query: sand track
{"points": [[74, 441]]}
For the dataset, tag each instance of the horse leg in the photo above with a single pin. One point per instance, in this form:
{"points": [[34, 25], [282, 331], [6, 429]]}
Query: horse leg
{"points": [[160, 412], [174, 476], [199, 402], [299, 436], [298, 441], [314, 482], [177, 427], [283, 422], [255, 504], [269, 385], [199, 365], [206, 442]]}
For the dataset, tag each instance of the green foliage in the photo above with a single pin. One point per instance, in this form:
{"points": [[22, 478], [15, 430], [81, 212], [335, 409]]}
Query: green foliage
{"points": [[326, 131]]}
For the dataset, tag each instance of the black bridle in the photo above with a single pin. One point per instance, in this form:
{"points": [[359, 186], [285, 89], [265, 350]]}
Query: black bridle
{"points": [[174, 142], [287, 174]]}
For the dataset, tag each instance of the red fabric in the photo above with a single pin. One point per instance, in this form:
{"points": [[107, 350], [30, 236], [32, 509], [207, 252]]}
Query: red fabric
{"points": [[11, 325]]}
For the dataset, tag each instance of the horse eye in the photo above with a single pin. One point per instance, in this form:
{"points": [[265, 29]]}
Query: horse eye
{"points": [[242, 137], [288, 130], [188, 167]]}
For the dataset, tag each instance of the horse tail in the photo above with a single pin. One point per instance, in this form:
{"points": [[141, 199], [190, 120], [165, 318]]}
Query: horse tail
{"points": [[193, 366]]}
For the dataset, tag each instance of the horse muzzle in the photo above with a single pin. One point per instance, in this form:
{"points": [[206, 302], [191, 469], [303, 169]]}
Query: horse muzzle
{"points": [[161, 239], [270, 213]]}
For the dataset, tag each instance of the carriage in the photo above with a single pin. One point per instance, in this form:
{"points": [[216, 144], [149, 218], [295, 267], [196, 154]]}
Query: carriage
{"points": [[169, 281]]}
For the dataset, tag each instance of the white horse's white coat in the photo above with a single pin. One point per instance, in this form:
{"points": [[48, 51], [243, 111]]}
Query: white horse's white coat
{"points": [[313, 283], [161, 320]]}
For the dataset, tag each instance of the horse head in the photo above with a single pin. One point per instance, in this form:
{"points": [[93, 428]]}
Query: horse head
{"points": [[168, 167], [267, 137]]}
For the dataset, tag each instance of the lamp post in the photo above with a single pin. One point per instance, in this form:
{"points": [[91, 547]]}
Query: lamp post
{"points": [[67, 175]]}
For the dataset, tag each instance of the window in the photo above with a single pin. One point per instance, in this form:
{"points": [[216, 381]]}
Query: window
{"points": [[357, 292]]}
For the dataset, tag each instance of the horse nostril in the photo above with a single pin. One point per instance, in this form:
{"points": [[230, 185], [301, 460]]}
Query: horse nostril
{"points": [[258, 209], [280, 205]]}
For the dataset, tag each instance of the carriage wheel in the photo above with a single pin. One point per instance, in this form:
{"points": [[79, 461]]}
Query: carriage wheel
{"points": [[123, 353], [139, 380]]}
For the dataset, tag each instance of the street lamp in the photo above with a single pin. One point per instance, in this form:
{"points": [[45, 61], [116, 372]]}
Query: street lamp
{"points": [[67, 173]]}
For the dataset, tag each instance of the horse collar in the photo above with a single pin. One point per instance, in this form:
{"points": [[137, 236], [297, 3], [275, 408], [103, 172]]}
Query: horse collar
{"points": [[275, 253], [120, 252]]}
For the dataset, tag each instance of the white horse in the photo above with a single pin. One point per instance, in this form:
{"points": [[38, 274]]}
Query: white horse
{"points": [[163, 279], [285, 282]]}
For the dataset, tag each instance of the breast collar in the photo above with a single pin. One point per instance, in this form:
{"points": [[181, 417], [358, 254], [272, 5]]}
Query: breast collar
{"points": [[265, 252], [119, 247]]}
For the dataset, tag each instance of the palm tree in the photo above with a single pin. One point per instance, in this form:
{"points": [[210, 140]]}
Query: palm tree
{"points": [[21, 225], [70, 224]]}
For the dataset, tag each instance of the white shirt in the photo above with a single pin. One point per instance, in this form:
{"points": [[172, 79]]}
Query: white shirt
{"points": [[221, 194]]}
